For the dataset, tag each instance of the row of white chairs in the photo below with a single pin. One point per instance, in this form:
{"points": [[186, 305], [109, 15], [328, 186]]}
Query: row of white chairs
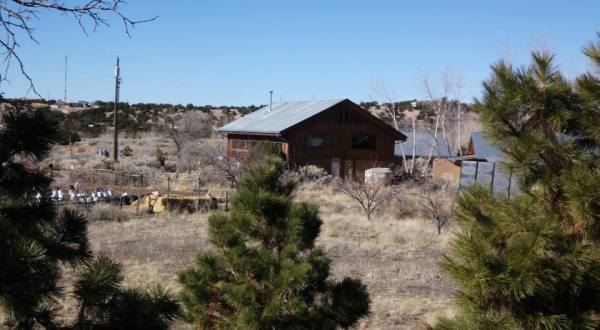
{"points": [[57, 195]]}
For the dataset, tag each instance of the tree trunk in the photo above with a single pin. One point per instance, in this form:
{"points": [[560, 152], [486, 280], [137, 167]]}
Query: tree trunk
{"points": [[414, 148], [435, 133], [459, 138], [392, 113]]}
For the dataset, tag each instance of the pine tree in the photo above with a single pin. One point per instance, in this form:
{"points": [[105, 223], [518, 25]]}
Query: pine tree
{"points": [[36, 241], [265, 271], [105, 304], [533, 261]]}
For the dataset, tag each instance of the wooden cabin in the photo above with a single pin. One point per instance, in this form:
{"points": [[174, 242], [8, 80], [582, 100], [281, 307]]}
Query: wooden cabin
{"points": [[336, 135]]}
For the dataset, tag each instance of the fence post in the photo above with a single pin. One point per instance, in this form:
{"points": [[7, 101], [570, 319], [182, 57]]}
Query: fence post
{"points": [[226, 199], [168, 191], [493, 175], [509, 182], [199, 202], [137, 209]]}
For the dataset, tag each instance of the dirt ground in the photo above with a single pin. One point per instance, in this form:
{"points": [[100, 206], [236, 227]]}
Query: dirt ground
{"points": [[396, 257]]}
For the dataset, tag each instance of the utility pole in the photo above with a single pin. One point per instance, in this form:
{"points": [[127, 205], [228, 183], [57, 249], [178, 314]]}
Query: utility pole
{"points": [[116, 112], [66, 61]]}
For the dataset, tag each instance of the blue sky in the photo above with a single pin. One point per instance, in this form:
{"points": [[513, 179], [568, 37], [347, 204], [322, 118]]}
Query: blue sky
{"points": [[234, 52]]}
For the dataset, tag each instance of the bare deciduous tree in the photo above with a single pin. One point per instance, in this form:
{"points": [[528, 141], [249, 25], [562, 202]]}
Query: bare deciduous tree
{"points": [[386, 97], [230, 169], [193, 125], [17, 16], [369, 195], [214, 158], [438, 206], [440, 107], [444, 102]]}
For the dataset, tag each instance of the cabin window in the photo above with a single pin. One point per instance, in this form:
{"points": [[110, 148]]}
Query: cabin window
{"points": [[363, 141], [238, 144], [323, 141]]}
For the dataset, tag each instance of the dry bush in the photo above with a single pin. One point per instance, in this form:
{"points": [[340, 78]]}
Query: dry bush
{"points": [[370, 196], [310, 173], [108, 212], [397, 258], [439, 202], [188, 205], [408, 202]]}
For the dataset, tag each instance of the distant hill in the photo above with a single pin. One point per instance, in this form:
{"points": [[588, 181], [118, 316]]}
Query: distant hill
{"points": [[92, 119]]}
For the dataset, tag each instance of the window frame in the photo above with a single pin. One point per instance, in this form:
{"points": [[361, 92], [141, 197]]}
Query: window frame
{"points": [[312, 135], [372, 145]]}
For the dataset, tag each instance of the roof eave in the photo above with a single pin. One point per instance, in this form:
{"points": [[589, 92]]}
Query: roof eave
{"points": [[249, 133]]}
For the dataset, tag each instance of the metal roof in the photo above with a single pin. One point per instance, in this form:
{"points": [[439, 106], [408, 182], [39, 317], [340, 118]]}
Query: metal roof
{"points": [[423, 142], [281, 116], [483, 149]]}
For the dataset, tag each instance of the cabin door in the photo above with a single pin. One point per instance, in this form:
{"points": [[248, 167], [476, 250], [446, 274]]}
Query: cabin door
{"points": [[349, 168], [335, 167]]}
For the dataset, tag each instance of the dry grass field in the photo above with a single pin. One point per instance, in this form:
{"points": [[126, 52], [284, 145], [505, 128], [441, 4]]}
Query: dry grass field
{"points": [[395, 256]]}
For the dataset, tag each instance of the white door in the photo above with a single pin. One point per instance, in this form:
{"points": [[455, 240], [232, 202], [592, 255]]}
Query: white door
{"points": [[335, 167]]}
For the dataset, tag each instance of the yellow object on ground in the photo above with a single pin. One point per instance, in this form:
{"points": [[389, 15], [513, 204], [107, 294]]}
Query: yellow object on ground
{"points": [[158, 204], [153, 203]]}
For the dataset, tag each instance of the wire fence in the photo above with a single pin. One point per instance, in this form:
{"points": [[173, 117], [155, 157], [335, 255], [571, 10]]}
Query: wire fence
{"points": [[176, 191], [487, 174]]}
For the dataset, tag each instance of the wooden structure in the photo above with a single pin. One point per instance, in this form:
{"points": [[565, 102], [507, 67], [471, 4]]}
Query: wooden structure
{"points": [[445, 170], [479, 150], [338, 136]]}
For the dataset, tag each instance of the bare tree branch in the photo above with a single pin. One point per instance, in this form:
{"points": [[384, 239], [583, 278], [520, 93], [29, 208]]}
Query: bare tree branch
{"points": [[16, 17], [369, 195], [193, 125], [386, 96], [439, 202]]}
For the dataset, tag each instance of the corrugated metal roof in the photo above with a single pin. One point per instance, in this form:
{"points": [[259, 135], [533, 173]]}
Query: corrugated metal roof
{"points": [[423, 141], [282, 116], [483, 149]]}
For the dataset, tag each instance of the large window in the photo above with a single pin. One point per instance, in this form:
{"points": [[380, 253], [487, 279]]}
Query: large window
{"points": [[320, 140], [363, 141]]}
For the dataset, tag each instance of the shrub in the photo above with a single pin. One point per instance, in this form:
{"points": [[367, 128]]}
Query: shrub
{"points": [[127, 151], [311, 173], [107, 212], [160, 156]]}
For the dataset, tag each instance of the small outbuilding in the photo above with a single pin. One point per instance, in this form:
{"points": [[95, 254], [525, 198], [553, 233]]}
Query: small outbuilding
{"points": [[480, 165]]}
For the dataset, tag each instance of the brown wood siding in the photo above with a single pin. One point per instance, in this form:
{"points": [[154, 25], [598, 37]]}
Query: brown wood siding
{"points": [[444, 169], [298, 150], [350, 121], [470, 147], [239, 145], [340, 121]]}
